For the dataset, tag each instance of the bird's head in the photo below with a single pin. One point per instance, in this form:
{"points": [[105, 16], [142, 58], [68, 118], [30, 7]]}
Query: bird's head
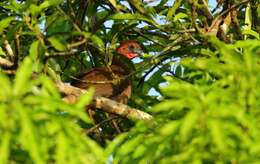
{"points": [[130, 49]]}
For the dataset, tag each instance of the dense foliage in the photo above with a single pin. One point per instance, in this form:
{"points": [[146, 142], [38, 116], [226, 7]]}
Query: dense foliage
{"points": [[199, 79]]}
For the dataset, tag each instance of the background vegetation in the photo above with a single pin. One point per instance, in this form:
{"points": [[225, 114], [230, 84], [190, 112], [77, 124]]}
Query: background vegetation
{"points": [[199, 78]]}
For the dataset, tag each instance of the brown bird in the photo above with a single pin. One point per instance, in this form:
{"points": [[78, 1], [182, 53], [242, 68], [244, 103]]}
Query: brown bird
{"points": [[113, 81]]}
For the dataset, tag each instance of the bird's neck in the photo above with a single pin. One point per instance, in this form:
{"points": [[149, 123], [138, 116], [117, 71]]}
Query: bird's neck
{"points": [[123, 63]]}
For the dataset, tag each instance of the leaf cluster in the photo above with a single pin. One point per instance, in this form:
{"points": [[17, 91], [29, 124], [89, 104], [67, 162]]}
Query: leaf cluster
{"points": [[199, 78]]}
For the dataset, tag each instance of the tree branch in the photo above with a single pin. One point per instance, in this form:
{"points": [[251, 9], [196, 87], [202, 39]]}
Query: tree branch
{"points": [[104, 104], [5, 63], [9, 50]]}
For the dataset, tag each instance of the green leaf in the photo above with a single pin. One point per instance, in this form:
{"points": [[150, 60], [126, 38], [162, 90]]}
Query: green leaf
{"points": [[2, 53], [97, 40], [4, 23], [5, 146], [34, 10], [85, 99], [166, 106], [5, 86], [128, 16], [251, 32], [50, 87], [22, 78], [131, 145], [179, 16], [29, 134], [34, 50], [62, 146], [48, 3], [36, 54], [115, 143], [172, 10], [57, 26], [170, 128], [189, 123], [217, 135], [58, 43]]}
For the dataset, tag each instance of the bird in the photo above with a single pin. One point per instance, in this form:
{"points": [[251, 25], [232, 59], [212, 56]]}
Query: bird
{"points": [[113, 81]]}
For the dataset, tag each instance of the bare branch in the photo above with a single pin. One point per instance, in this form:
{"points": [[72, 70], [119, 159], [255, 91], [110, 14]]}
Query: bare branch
{"points": [[9, 50], [104, 104], [9, 72], [110, 106], [5, 63], [62, 54], [95, 127]]}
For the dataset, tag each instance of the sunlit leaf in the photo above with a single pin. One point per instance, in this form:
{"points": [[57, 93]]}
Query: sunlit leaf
{"points": [[22, 79], [128, 16], [189, 123], [218, 135], [86, 98], [5, 146], [4, 23], [252, 33], [5, 88], [173, 9], [58, 43]]}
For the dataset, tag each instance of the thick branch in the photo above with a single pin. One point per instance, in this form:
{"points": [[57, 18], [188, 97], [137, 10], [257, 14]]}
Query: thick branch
{"points": [[104, 104], [5, 63], [114, 107], [9, 50]]}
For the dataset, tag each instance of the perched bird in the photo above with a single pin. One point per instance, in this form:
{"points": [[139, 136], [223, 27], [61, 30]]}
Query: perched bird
{"points": [[112, 81]]}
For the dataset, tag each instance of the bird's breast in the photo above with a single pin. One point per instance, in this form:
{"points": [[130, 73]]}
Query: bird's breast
{"points": [[114, 83]]}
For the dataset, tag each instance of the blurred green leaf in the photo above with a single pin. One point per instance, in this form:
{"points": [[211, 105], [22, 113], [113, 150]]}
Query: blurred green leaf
{"points": [[22, 78], [5, 147], [189, 123], [180, 16], [5, 88], [217, 135], [2, 53], [86, 98], [206, 110], [34, 50], [173, 9]]}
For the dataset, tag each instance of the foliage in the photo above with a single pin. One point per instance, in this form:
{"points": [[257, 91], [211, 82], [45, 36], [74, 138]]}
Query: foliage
{"points": [[198, 77], [36, 125], [212, 117]]}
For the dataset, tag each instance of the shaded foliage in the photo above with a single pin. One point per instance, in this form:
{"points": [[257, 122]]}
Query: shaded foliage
{"points": [[198, 77]]}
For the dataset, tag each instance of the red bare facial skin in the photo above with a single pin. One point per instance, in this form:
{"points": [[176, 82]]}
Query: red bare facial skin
{"points": [[129, 49]]}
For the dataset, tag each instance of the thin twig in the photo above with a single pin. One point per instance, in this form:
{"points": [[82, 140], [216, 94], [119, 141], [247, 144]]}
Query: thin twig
{"points": [[69, 18], [93, 128], [83, 41], [61, 54], [231, 8]]}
